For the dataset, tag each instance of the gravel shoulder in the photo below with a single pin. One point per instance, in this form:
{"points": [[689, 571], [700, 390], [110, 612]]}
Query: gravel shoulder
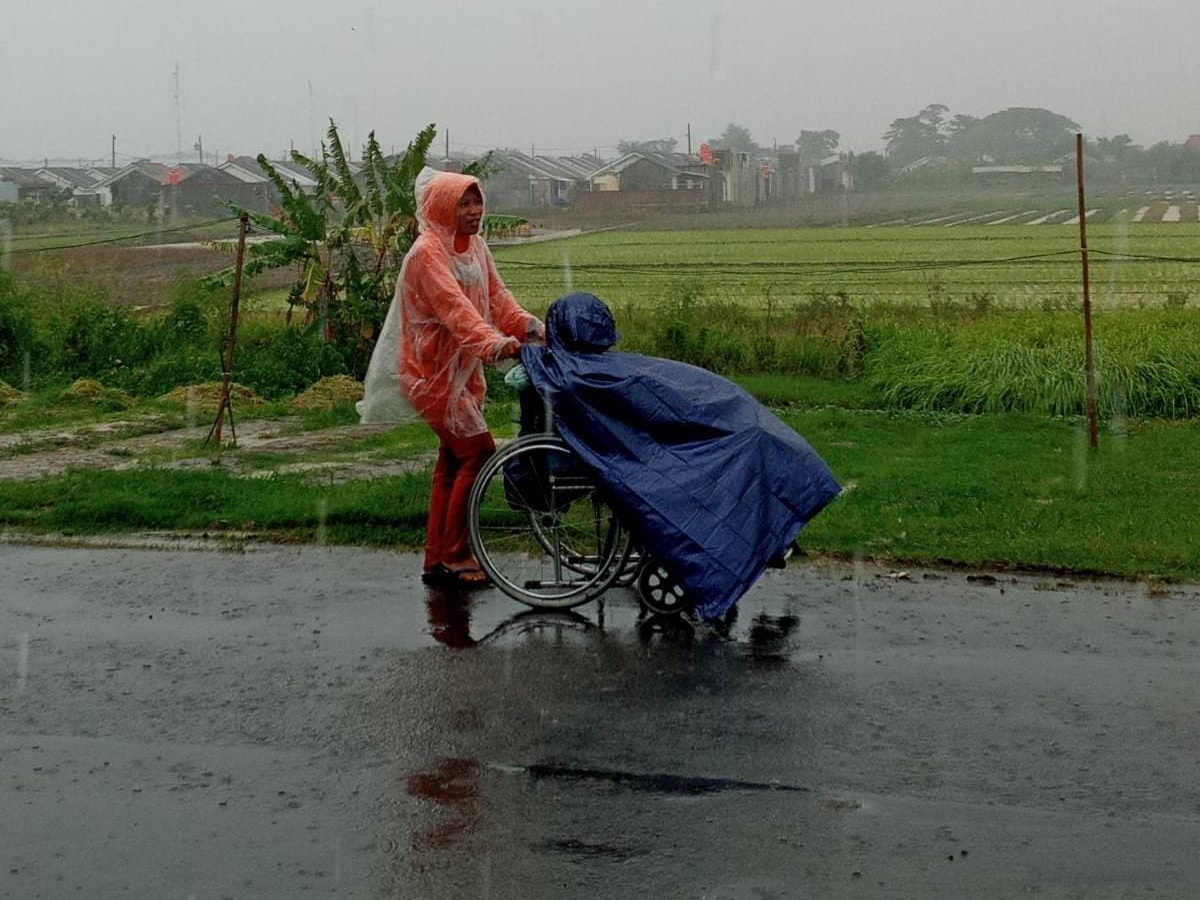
{"points": [[143, 440]]}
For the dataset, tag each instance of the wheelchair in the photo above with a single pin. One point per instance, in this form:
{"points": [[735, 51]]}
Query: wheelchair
{"points": [[544, 532]]}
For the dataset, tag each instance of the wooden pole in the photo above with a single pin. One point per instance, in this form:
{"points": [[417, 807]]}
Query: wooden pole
{"points": [[1089, 356], [231, 340]]}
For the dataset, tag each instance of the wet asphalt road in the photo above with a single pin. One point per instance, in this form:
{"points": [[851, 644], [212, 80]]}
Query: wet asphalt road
{"points": [[310, 722]]}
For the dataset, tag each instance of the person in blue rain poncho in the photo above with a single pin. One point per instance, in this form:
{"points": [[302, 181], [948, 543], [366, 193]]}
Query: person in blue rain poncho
{"points": [[709, 481]]}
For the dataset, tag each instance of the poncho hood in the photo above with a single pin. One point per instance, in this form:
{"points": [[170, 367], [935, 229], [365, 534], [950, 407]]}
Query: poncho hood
{"points": [[581, 323], [437, 195]]}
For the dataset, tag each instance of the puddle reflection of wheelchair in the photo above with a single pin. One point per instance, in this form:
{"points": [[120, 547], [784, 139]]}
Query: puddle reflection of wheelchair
{"points": [[545, 534]]}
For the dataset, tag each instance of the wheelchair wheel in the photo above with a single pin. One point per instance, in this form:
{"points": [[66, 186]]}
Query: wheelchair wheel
{"points": [[659, 591], [578, 559], [539, 527]]}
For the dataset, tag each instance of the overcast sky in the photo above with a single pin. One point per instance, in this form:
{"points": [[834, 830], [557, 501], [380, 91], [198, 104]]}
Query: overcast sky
{"points": [[570, 76]]}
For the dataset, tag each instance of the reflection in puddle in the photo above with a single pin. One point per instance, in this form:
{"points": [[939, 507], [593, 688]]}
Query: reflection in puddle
{"points": [[667, 629], [449, 618], [454, 787], [769, 636], [449, 615]]}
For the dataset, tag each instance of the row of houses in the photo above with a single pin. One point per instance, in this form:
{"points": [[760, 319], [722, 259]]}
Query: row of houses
{"points": [[172, 189], [518, 181], [655, 179]]}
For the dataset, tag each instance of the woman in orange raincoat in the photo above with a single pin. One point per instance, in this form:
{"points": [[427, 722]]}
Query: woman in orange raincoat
{"points": [[455, 315]]}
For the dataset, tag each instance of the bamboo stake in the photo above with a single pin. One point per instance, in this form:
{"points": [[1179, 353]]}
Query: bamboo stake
{"points": [[1089, 356], [230, 341]]}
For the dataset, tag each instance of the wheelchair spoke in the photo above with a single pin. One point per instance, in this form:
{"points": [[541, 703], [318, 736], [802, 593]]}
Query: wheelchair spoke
{"points": [[539, 528]]}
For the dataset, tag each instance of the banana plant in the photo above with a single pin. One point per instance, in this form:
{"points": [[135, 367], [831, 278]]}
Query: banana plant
{"points": [[346, 239]]}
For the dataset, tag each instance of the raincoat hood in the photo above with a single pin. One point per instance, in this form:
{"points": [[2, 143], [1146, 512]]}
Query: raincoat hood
{"points": [[437, 195], [581, 323]]}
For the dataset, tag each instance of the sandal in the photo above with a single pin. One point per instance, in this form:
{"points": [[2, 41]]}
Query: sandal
{"points": [[466, 578]]}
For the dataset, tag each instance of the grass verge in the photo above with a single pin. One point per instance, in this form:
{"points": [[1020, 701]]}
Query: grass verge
{"points": [[1002, 490], [1009, 490]]}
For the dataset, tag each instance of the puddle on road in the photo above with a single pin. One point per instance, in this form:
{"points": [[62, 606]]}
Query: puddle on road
{"points": [[655, 783]]}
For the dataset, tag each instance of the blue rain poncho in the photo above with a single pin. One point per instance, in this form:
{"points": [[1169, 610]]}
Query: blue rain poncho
{"points": [[707, 479]]}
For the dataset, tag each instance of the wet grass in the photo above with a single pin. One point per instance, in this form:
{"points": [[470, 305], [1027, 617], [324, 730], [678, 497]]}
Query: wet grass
{"points": [[798, 390], [1009, 490], [282, 507]]}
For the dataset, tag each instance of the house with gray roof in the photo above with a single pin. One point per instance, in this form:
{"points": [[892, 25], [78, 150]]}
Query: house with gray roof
{"points": [[68, 178], [29, 185], [177, 190], [522, 181], [646, 171], [648, 180], [245, 168]]}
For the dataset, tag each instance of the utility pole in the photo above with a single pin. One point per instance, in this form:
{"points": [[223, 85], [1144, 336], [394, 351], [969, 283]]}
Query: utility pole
{"points": [[689, 135], [200, 147], [114, 151], [312, 128], [1089, 359], [447, 143], [178, 120]]}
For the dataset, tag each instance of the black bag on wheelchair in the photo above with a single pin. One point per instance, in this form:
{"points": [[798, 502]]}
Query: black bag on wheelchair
{"points": [[542, 481]]}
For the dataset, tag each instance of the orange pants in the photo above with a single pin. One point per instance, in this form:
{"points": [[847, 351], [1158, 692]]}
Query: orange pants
{"points": [[447, 539]]}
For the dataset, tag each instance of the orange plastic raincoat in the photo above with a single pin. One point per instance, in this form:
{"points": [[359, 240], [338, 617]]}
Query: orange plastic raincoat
{"points": [[455, 314]]}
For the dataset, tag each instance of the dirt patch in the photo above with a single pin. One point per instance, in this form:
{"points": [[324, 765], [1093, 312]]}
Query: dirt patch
{"points": [[137, 277], [153, 440]]}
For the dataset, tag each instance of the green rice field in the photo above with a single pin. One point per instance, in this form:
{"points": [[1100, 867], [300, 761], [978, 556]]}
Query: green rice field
{"points": [[1005, 267]]}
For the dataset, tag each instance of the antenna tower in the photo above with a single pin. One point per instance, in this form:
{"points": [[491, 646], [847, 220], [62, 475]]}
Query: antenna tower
{"points": [[178, 119]]}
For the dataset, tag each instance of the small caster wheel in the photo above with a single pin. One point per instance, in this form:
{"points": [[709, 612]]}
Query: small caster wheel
{"points": [[659, 591]]}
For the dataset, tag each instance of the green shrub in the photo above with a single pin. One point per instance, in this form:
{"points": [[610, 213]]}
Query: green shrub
{"points": [[170, 369], [19, 344], [278, 362], [184, 326], [98, 340]]}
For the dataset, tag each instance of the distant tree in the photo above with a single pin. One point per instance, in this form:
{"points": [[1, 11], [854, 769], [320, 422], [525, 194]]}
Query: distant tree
{"points": [[870, 171], [659, 145], [957, 132], [911, 138], [1017, 135], [959, 124], [735, 137], [1116, 149], [816, 145], [1170, 163]]}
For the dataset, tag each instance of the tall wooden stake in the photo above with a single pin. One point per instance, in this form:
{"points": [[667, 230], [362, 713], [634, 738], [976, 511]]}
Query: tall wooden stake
{"points": [[231, 341], [1089, 357]]}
